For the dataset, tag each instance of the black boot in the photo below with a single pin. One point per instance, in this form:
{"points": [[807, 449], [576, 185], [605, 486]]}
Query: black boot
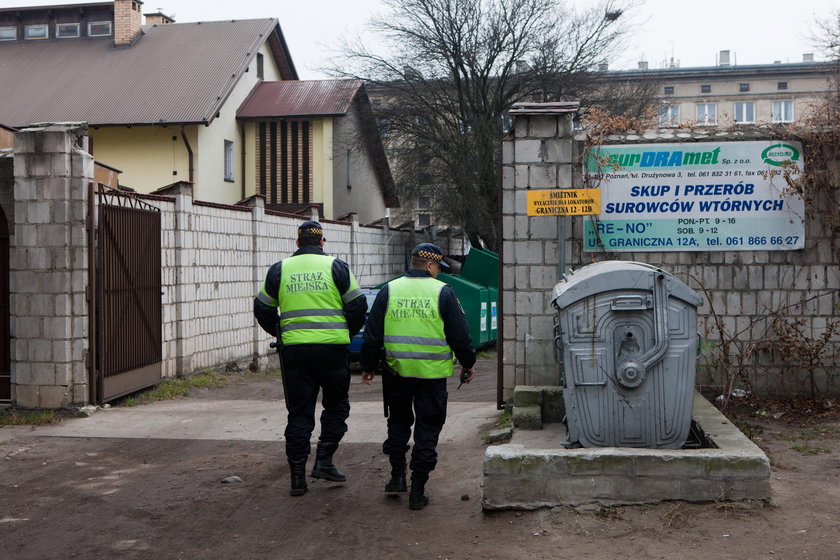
{"points": [[397, 482], [298, 469], [418, 498], [324, 467]]}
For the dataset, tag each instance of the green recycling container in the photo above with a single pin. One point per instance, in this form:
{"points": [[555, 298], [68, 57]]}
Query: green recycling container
{"points": [[475, 299], [482, 267]]}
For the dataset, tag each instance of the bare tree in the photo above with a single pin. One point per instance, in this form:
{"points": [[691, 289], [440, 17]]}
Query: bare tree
{"points": [[447, 71], [827, 35]]}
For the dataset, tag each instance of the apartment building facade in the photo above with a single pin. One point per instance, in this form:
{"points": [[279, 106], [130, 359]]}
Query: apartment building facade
{"points": [[729, 94]]}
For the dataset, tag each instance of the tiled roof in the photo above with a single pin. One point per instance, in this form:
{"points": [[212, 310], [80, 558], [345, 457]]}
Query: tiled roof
{"points": [[174, 73], [299, 99]]}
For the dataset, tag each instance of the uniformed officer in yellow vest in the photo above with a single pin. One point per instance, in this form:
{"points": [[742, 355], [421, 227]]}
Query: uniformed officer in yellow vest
{"points": [[416, 322], [320, 308]]}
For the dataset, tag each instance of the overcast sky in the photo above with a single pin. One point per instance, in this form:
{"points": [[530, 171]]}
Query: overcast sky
{"points": [[754, 31]]}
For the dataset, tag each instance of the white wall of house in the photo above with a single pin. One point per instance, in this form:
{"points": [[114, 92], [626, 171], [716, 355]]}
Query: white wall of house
{"points": [[210, 174]]}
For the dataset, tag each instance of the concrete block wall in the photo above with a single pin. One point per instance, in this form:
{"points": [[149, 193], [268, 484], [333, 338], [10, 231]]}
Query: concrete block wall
{"points": [[221, 317], [214, 258], [538, 155], [379, 254], [48, 276], [745, 287]]}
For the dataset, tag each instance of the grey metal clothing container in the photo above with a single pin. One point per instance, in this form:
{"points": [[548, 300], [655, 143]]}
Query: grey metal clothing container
{"points": [[626, 338]]}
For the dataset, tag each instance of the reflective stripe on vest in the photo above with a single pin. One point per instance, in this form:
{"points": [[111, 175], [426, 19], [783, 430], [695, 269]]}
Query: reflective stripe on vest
{"points": [[311, 309], [415, 343]]}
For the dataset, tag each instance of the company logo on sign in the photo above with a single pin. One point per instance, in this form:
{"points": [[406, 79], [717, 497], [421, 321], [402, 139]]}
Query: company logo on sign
{"points": [[640, 159], [780, 154]]}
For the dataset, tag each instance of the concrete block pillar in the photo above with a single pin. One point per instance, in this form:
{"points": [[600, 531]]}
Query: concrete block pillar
{"points": [[184, 282], [257, 204], [536, 155], [354, 246], [49, 274]]}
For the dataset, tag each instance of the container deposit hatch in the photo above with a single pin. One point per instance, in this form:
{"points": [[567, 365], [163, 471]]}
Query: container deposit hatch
{"points": [[626, 338]]}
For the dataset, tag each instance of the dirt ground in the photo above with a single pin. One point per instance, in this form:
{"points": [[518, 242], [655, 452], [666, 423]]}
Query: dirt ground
{"points": [[160, 499]]}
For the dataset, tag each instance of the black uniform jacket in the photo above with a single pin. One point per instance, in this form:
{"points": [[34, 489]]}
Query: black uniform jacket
{"points": [[354, 310], [454, 327]]}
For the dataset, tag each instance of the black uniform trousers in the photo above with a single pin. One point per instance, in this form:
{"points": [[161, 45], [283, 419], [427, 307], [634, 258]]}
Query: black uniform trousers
{"points": [[308, 368], [418, 402]]}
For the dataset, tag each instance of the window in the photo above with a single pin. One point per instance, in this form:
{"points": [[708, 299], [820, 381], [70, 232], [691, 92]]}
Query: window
{"points": [[706, 113], [228, 161], [669, 115], [424, 202], [669, 90], [743, 87], [99, 29], [782, 111], [260, 67], [8, 33], [424, 220], [745, 112], [705, 88], [36, 32], [66, 30], [782, 85]]}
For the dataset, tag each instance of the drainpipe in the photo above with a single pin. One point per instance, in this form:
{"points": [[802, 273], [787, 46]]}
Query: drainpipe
{"points": [[189, 151], [242, 159]]}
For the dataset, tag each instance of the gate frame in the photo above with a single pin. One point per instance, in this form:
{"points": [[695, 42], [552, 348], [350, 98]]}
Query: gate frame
{"points": [[5, 308], [100, 195]]}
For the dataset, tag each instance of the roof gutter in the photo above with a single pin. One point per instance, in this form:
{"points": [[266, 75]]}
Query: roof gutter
{"points": [[189, 152]]}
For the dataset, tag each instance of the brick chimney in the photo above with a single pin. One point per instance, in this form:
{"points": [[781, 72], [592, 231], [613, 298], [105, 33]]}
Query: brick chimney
{"points": [[128, 21], [158, 18]]}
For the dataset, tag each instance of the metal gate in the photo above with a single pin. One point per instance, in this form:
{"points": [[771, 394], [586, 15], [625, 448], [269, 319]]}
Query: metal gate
{"points": [[5, 338], [127, 302]]}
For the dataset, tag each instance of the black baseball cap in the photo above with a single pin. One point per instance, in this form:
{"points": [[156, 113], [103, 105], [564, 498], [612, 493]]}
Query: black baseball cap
{"points": [[431, 252]]}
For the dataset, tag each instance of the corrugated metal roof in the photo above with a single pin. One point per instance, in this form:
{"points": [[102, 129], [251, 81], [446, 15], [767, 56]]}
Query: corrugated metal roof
{"points": [[307, 98], [174, 73]]}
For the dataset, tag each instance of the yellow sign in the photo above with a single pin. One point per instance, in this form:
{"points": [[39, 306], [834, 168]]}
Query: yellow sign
{"points": [[564, 202]]}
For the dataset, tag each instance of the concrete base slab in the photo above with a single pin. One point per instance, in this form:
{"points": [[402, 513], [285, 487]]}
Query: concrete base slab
{"points": [[249, 420], [535, 470]]}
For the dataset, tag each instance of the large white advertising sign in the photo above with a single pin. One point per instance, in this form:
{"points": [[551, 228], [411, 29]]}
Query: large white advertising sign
{"points": [[726, 196]]}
